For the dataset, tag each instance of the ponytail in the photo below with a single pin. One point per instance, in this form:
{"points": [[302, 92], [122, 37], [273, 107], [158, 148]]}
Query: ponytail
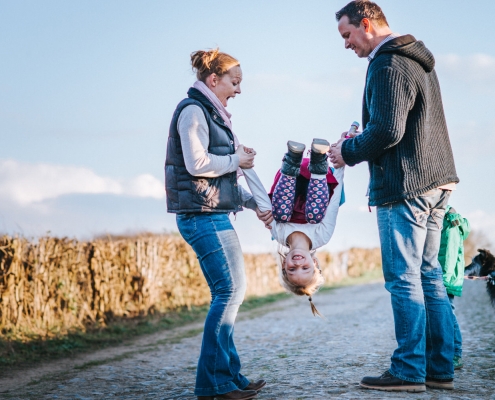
{"points": [[313, 308]]}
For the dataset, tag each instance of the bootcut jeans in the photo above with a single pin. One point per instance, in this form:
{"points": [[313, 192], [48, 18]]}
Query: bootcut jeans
{"points": [[213, 238], [410, 239]]}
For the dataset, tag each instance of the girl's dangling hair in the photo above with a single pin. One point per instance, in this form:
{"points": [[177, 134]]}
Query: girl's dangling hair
{"points": [[313, 308]]}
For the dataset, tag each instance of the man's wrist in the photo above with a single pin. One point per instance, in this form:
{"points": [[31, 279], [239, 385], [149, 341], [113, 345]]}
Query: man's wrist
{"points": [[343, 150]]}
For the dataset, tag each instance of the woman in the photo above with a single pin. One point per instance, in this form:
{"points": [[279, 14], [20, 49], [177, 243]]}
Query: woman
{"points": [[204, 160], [305, 203]]}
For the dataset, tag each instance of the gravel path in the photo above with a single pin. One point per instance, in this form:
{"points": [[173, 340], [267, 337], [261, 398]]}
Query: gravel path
{"points": [[300, 356]]}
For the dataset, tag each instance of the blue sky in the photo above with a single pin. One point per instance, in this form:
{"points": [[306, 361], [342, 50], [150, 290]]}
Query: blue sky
{"points": [[87, 90]]}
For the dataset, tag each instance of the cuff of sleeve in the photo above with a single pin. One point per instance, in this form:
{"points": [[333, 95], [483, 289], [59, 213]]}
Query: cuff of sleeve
{"points": [[345, 155], [251, 204], [235, 162]]}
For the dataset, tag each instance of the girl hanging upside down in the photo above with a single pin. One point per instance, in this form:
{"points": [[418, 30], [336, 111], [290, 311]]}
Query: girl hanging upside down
{"points": [[305, 200]]}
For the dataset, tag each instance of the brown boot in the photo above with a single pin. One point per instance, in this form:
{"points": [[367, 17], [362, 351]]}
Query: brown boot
{"points": [[291, 163], [318, 163], [258, 385], [234, 395]]}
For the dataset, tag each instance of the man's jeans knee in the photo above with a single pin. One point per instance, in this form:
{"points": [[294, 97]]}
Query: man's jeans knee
{"points": [[410, 239]]}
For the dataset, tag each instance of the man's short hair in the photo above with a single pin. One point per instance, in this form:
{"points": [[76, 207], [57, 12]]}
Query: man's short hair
{"points": [[359, 9]]}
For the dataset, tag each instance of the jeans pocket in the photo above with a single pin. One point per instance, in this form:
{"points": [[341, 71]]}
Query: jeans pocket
{"points": [[430, 205], [186, 223]]}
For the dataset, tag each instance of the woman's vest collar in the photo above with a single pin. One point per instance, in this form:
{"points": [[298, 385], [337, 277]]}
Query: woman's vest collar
{"points": [[195, 94]]}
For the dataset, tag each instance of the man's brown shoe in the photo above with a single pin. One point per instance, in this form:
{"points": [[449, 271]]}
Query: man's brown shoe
{"points": [[234, 395], [258, 385]]}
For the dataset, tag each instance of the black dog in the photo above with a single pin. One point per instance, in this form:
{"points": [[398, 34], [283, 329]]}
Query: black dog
{"points": [[484, 265]]}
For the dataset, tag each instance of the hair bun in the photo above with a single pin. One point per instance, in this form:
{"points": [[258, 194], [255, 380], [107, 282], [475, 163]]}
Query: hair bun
{"points": [[207, 62]]}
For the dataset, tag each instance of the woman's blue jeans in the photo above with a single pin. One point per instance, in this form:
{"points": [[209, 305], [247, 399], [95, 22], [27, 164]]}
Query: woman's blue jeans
{"points": [[410, 239], [213, 238]]}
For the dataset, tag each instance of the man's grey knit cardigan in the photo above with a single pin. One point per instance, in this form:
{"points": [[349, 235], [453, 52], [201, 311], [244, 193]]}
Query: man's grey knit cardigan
{"points": [[405, 138]]}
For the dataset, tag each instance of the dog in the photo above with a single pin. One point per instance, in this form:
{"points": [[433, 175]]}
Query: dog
{"points": [[483, 265]]}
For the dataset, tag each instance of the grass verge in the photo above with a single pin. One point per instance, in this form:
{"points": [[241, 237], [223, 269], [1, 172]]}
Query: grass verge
{"points": [[14, 352], [17, 353]]}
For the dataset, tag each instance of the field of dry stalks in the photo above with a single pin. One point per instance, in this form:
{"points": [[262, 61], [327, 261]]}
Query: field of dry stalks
{"points": [[52, 285]]}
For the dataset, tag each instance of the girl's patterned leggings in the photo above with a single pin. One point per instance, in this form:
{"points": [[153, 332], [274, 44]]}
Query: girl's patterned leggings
{"points": [[283, 199]]}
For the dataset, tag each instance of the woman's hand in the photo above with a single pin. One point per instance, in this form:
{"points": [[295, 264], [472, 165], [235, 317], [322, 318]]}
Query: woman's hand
{"points": [[249, 150], [265, 216], [246, 159]]}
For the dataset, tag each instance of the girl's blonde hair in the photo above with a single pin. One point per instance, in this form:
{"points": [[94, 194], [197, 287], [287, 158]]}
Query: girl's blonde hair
{"points": [[207, 62], [309, 289]]}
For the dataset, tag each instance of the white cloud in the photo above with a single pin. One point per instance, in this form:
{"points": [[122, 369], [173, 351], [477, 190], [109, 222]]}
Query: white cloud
{"points": [[471, 68], [26, 183], [145, 186]]}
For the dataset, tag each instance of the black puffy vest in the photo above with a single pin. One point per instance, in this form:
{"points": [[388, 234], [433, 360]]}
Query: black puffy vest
{"points": [[187, 193]]}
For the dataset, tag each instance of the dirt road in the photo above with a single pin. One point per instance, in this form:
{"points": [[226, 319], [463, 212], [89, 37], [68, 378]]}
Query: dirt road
{"points": [[301, 357]]}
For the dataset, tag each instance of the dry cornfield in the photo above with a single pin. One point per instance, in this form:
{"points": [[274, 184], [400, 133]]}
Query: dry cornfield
{"points": [[52, 285]]}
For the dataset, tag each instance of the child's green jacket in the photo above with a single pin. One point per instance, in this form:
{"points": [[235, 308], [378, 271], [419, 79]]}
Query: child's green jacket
{"points": [[451, 255]]}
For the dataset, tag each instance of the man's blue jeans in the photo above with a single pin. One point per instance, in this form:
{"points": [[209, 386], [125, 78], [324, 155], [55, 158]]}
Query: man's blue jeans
{"points": [[410, 239], [217, 247]]}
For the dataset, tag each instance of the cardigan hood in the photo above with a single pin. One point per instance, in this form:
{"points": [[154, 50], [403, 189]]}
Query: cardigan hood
{"points": [[408, 46]]}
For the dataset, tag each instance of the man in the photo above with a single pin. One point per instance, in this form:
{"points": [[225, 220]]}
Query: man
{"points": [[406, 144]]}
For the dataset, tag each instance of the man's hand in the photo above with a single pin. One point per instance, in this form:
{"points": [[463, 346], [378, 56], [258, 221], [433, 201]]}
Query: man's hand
{"points": [[336, 154], [246, 160], [347, 135], [265, 216]]}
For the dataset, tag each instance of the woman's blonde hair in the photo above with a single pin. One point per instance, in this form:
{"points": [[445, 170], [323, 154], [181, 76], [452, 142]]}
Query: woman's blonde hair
{"points": [[308, 290], [207, 62]]}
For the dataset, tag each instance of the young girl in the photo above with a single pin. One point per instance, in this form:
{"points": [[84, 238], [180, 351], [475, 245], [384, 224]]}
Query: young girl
{"points": [[305, 201]]}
